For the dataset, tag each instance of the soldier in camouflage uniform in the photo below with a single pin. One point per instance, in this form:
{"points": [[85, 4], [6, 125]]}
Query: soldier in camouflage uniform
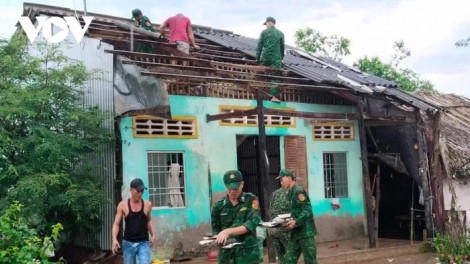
{"points": [[279, 204], [144, 23], [270, 49], [303, 229], [236, 216]]}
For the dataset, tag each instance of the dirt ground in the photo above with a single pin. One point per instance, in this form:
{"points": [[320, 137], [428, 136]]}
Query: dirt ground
{"points": [[425, 258]]}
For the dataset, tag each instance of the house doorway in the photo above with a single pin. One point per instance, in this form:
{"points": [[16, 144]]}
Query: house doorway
{"points": [[248, 165], [398, 195]]}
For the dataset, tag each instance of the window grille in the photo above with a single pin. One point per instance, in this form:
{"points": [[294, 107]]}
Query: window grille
{"points": [[335, 174], [177, 127], [269, 120], [166, 176], [333, 132]]}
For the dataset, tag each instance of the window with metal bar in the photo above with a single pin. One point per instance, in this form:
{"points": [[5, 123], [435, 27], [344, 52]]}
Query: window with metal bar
{"points": [[333, 131], [166, 176], [335, 174]]}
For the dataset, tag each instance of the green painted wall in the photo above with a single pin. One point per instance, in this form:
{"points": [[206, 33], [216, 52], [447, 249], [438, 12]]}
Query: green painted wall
{"points": [[216, 147]]}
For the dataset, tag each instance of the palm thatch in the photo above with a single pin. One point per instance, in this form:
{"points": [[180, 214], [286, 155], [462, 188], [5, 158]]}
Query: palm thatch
{"points": [[454, 126]]}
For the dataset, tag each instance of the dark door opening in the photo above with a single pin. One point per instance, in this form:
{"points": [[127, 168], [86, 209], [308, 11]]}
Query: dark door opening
{"points": [[396, 192], [248, 165]]}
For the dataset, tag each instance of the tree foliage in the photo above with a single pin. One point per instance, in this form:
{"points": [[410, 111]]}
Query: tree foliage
{"points": [[20, 244], [406, 78], [331, 46], [46, 133], [337, 47], [463, 42]]}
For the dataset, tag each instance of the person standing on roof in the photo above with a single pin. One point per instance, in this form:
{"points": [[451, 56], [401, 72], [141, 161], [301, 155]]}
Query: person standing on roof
{"points": [[270, 48], [144, 23], [181, 32]]}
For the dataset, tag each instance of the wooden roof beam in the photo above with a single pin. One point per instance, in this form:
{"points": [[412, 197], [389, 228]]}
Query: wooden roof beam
{"points": [[215, 70], [282, 112], [240, 81]]}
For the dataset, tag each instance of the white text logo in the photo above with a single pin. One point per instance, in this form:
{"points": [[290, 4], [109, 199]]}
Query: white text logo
{"points": [[63, 23]]}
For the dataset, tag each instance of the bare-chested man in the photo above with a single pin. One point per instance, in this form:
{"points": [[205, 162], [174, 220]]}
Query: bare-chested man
{"points": [[138, 225]]}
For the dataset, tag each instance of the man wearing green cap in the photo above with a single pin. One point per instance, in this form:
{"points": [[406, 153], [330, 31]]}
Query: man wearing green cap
{"points": [[144, 23], [270, 48], [302, 226], [236, 216]]}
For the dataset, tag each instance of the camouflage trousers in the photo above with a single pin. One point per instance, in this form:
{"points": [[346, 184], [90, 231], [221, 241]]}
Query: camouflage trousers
{"points": [[144, 47], [306, 246], [237, 255], [279, 241], [274, 62]]}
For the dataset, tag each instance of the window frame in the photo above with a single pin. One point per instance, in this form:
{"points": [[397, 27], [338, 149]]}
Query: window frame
{"points": [[193, 119], [241, 108], [349, 124], [347, 174], [185, 200]]}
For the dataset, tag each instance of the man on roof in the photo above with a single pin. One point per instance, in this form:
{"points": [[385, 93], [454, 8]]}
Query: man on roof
{"points": [[270, 48], [181, 32], [144, 23]]}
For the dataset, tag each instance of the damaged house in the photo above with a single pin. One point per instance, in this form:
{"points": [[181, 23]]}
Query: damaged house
{"points": [[183, 121]]}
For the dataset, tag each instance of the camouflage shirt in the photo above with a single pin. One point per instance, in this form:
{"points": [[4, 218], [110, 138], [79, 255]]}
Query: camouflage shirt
{"points": [[270, 49], [145, 23], [246, 213], [279, 203], [301, 212]]}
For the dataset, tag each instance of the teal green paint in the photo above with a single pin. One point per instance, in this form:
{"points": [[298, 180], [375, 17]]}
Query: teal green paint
{"points": [[216, 146]]}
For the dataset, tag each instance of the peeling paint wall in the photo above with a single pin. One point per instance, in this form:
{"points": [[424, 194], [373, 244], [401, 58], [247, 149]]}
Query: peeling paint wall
{"points": [[216, 147]]}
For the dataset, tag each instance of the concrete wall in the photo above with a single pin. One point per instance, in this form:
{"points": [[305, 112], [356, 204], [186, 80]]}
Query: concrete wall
{"points": [[461, 188], [216, 147]]}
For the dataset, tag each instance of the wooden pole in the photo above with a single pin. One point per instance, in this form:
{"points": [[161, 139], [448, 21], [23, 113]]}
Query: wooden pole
{"points": [[412, 229], [264, 168], [423, 171], [137, 30], [132, 38], [435, 167], [365, 175], [377, 202]]}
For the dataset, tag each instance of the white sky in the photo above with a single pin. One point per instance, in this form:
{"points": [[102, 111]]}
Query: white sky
{"points": [[429, 27]]}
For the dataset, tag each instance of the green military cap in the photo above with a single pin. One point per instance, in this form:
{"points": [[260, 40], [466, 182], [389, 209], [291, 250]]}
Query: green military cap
{"points": [[286, 173], [270, 19], [136, 12], [233, 179]]}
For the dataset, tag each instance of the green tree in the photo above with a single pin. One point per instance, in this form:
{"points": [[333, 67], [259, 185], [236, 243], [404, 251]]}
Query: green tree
{"points": [[337, 47], [330, 46], [406, 78], [463, 42], [20, 243], [45, 134]]}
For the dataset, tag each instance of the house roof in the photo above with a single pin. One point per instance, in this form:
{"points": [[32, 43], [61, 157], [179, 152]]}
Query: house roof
{"points": [[454, 127], [321, 71], [317, 68]]}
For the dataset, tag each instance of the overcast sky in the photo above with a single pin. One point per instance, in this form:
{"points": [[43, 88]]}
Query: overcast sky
{"points": [[429, 27]]}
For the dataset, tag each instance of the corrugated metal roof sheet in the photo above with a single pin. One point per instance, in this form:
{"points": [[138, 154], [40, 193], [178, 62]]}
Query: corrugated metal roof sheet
{"points": [[317, 68], [317, 71]]}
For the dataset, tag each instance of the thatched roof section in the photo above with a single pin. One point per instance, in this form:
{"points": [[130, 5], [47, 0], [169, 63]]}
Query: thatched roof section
{"points": [[454, 125]]}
